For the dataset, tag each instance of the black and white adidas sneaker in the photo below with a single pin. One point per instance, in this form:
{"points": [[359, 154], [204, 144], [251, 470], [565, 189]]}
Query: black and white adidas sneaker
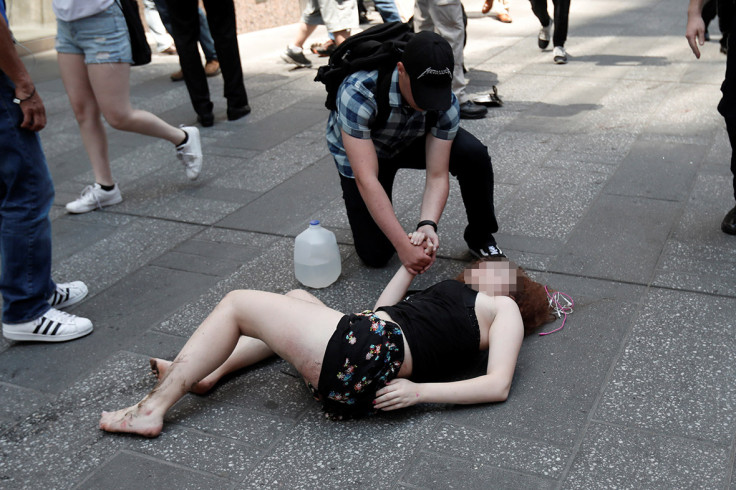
{"points": [[67, 294], [487, 251], [52, 326]]}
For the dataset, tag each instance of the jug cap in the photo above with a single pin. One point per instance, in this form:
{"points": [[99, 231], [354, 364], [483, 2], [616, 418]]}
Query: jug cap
{"points": [[314, 222]]}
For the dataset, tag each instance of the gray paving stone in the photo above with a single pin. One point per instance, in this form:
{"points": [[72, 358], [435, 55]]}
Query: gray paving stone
{"points": [[289, 204], [130, 247], [131, 471], [700, 223], [654, 171], [275, 165], [226, 420], [217, 456], [17, 402], [614, 457], [435, 471], [701, 268], [498, 449], [628, 233], [276, 128], [674, 376], [350, 454], [549, 204]]}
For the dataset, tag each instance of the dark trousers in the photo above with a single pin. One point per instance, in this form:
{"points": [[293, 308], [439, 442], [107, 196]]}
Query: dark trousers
{"points": [[221, 19], [562, 13], [469, 162], [727, 106]]}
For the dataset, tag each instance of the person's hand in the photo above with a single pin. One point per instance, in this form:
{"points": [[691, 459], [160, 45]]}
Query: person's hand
{"points": [[414, 258], [398, 393], [433, 241], [34, 113], [695, 33]]}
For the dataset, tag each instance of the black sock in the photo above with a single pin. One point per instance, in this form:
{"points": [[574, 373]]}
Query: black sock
{"points": [[186, 138], [106, 188]]}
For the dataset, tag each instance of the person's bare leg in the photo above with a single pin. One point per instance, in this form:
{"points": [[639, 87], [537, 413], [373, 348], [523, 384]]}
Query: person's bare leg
{"points": [[248, 352], [82, 99], [111, 85], [305, 30], [296, 330], [341, 36]]}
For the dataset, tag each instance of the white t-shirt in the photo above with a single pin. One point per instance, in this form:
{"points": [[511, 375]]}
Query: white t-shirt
{"points": [[69, 10]]}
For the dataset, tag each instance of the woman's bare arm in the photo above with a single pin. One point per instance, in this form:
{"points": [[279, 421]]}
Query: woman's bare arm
{"points": [[396, 288]]}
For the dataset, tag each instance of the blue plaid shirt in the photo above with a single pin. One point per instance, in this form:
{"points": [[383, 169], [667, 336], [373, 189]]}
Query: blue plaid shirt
{"points": [[357, 108]]}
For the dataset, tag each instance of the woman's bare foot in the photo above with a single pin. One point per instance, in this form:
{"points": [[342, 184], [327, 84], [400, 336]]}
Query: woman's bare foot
{"points": [[134, 420], [159, 367]]}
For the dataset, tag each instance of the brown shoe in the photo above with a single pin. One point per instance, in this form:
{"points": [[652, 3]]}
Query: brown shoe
{"points": [[212, 68], [177, 76], [487, 6], [169, 50], [504, 17]]}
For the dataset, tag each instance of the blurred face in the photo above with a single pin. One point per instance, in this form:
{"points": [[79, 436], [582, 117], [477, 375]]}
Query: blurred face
{"points": [[494, 278]]}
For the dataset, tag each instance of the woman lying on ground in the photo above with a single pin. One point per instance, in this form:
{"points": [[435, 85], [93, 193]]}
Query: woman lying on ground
{"points": [[354, 363]]}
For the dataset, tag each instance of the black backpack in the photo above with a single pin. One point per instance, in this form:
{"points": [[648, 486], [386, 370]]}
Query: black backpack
{"points": [[378, 48]]}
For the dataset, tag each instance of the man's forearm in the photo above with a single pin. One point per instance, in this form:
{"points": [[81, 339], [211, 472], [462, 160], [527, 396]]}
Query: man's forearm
{"points": [[382, 211], [436, 191], [11, 65], [696, 7]]}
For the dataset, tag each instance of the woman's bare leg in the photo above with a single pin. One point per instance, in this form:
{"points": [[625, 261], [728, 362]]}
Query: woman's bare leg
{"points": [[247, 352], [87, 112], [296, 330], [111, 85]]}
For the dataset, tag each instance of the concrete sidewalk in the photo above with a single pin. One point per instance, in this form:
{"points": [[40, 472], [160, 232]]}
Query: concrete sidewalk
{"points": [[611, 181]]}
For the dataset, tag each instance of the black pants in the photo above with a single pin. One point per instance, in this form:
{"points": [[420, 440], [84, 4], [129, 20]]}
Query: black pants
{"points": [[469, 162], [562, 13], [727, 106], [221, 19]]}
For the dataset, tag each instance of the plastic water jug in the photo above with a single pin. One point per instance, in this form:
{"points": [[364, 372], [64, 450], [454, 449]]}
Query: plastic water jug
{"points": [[316, 257]]}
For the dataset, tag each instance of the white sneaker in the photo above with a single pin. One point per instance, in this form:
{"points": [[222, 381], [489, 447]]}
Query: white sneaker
{"points": [[190, 153], [67, 294], [559, 55], [94, 197], [545, 34], [52, 326]]}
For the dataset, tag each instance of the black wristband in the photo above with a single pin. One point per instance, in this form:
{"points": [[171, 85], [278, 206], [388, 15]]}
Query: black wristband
{"points": [[18, 101], [427, 222]]}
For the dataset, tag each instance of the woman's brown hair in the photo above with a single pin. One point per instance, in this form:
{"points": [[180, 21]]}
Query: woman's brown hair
{"points": [[530, 296]]}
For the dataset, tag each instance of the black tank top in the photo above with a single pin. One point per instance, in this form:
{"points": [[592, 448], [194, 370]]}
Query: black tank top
{"points": [[441, 329]]}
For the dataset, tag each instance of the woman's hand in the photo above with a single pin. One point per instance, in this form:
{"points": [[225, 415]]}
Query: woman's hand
{"points": [[398, 393]]}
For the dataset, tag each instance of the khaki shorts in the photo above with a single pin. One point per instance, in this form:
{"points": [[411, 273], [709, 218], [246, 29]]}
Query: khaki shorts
{"points": [[336, 15]]}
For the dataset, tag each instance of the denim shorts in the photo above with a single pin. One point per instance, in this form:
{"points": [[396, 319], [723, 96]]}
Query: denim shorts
{"points": [[101, 38], [336, 15]]}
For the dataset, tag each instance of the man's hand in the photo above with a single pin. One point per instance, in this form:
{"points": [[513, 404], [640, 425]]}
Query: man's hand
{"points": [[427, 233], [398, 393], [414, 258], [695, 32], [34, 113]]}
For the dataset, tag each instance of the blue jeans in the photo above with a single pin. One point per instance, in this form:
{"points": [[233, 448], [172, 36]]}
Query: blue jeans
{"points": [[26, 195], [205, 36], [388, 10]]}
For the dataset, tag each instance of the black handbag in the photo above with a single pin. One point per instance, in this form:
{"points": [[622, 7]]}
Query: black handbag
{"points": [[138, 42]]}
